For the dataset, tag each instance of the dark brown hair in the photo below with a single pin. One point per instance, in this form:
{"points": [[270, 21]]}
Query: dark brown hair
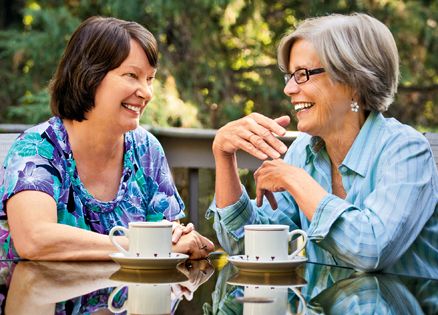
{"points": [[99, 45]]}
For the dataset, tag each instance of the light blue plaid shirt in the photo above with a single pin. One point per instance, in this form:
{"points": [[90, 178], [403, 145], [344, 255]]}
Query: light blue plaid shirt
{"points": [[389, 219]]}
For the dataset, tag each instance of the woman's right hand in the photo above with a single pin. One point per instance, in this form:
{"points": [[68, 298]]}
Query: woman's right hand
{"points": [[193, 244], [254, 134]]}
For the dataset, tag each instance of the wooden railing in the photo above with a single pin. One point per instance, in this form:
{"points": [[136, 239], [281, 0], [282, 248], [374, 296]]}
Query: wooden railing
{"points": [[184, 148]]}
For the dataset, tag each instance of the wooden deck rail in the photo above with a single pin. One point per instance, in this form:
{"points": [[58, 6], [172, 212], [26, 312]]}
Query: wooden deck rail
{"points": [[184, 147]]}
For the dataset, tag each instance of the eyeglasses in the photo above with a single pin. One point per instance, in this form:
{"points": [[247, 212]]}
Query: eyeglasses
{"points": [[302, 75]]}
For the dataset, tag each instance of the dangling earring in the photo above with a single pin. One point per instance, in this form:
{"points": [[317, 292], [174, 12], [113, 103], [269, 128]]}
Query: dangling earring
{"points": [[354, 106]]}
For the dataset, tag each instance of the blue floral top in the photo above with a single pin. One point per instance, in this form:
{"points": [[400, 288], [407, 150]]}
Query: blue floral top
{"points": [[41, 159]]}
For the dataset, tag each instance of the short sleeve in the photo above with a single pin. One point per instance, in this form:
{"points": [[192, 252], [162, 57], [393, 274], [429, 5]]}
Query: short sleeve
{"points": [[29, 166]]}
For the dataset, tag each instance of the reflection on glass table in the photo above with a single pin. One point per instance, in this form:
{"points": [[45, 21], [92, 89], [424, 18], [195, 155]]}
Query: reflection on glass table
{"points": [[207, 288], [321, 289], [86, 287]]}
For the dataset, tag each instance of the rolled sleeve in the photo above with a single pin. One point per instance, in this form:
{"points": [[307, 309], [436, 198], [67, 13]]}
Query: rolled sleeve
{"points": [[328, 211], [229, 222]]}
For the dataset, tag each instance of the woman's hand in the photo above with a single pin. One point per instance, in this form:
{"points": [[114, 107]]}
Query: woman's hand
{"points": [[197, 272], [179, 229], [254, 134], [271, 176], [276, 175], [193, 244]]}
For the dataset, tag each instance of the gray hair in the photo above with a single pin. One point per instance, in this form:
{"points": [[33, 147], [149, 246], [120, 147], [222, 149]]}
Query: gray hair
{"points": [[356, 50]]}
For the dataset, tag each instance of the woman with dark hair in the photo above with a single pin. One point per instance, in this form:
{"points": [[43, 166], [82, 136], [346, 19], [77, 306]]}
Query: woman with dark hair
{"points": [[66, 182], [363, 187]]}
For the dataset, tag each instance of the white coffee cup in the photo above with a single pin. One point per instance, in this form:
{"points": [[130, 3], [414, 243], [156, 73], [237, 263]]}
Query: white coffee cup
{"points": [[146, 239], [269, 242], [144, 299]]}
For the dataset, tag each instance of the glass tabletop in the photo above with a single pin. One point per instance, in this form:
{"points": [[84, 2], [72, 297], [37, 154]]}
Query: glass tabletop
{"points": [[211, 286]]}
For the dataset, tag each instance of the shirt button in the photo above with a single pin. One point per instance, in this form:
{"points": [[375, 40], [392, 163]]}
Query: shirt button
{"points": [[343, 169]]}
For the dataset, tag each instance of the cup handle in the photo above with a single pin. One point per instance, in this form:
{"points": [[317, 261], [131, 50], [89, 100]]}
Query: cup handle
{"points": [[113, 239], [302, 300], [302, 246], [111, 298]]}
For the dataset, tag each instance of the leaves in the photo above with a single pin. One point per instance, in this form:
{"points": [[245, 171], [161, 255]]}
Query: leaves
{"points": [[217, 58]]}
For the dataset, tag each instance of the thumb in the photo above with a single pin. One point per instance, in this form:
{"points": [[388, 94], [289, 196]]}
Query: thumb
{"points": [[283, 120]]}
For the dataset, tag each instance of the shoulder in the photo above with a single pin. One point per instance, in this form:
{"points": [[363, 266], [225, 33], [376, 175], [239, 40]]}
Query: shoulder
{"points": [[144, 146], [395, 134], [33, 142], [141, 136]]}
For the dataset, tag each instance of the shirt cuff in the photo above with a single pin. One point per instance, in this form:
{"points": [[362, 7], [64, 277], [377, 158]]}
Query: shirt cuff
{"points": [[328, 211], [233, 217]]}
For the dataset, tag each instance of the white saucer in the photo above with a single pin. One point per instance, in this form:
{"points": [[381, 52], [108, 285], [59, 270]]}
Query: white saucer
{"points": [[143, 276], [278, 280], [148, 262], [244, 264]]}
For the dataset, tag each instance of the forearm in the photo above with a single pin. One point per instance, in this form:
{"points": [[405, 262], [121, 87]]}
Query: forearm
{"points": [[54, 241], [364, 238], [227, 187]]}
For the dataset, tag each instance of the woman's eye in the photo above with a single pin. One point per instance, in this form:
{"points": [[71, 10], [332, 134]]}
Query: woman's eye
{"points": [[131, 75], [150, 79]]}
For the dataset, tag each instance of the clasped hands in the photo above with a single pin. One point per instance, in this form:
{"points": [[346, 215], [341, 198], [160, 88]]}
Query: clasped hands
{"points": [[186, 240]]}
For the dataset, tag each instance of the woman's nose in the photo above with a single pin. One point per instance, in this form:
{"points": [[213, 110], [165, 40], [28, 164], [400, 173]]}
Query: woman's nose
{"points": [[291, 87], [144, 91]]}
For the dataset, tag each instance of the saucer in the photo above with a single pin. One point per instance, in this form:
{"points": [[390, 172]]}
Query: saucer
{"points": [[143, 276], [291, 279], [154, 263], [246, 265]]}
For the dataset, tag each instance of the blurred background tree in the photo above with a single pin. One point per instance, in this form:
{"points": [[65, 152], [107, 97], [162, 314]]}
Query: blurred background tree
{"points": [[218, 57], [217, 60]]}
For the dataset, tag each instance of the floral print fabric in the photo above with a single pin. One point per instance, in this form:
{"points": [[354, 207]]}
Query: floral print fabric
{"points": [[41, 159]]}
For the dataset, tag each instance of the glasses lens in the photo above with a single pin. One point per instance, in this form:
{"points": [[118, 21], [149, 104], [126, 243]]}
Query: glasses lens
{"points": [[301, 76], [287, 77]]}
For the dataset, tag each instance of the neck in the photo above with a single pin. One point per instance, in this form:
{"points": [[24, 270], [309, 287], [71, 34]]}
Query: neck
{"points": [[92, 143], [339, 140]]}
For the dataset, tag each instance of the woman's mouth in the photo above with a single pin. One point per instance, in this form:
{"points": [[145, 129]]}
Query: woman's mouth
{"points": [[134, 108], [302, 106]]}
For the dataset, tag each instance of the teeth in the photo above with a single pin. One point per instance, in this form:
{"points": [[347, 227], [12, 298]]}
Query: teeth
{"points": [[131, 107], [302, 106]]}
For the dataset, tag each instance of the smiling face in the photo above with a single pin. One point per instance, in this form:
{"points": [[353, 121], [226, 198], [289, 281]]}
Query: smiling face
{"points": [[322, 106], [124, 92]]}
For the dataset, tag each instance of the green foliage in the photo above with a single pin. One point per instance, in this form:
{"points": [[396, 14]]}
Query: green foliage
{"points": [[34, 108], [217, 57]]}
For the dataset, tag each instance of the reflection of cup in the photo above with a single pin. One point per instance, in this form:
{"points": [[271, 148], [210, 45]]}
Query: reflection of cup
{"points": [[265, 300], [149, 292], [269, 242], [143, 299], [146, 239], [267, 293]]}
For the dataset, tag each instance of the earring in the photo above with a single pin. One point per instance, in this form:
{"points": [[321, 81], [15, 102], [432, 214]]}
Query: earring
{"points": [[354, 106]]}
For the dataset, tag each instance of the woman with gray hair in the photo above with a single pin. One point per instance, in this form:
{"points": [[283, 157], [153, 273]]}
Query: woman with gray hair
{"points": [[363, 187]]}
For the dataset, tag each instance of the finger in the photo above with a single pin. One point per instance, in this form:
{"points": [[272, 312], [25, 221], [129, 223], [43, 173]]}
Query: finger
{"points": [[177, 234], [265, 140], [207, 244], [265, 144], [282, 121], [269, 123], [188, 228], [259, 197], [251, 149], [271, 198], [175, 225]]}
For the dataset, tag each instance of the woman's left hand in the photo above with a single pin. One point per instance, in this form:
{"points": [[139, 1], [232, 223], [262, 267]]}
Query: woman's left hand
{"points": [[271, 177], [179, 229]]}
